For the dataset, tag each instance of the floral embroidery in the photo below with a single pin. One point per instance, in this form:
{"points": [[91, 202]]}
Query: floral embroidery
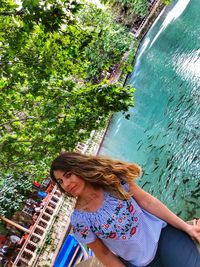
{"points": [[81, 229], [121, 225], [131, 208], [133, 231], [112, 235], [125, 226]]}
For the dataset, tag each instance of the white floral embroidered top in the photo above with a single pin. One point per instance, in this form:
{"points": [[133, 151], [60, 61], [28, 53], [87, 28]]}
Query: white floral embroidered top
{"points": [[129, 231]]}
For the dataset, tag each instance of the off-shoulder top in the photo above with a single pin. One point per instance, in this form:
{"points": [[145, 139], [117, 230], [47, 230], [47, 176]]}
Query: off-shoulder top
{"points": [[126, 229]]}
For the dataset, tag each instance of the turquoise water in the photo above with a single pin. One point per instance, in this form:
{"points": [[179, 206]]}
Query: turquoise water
{"points": [[162, 134]]}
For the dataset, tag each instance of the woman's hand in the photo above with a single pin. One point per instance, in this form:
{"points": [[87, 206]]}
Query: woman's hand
{"points": [[194, 230]]}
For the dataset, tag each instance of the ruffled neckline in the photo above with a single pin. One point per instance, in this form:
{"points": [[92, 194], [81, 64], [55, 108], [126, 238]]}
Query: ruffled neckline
{"points": [[102, 207]]}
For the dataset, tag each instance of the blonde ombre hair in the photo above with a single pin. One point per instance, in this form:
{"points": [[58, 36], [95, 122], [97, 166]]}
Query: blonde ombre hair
{"points": [[100, 172]]}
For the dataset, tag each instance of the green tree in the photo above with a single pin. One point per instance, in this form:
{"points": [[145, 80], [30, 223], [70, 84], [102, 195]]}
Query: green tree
{"points": [[13, 192], [167, 2], [47, 100], [128, 11], [111, 40]]}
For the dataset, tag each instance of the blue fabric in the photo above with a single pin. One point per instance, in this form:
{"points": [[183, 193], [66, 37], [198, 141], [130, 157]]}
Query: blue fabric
{"points": [[123, 226], [175, 249], [41, 194]]}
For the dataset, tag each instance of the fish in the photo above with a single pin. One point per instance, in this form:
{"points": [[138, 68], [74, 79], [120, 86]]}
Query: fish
{"points": [[150, 137], [145, 184], [170, 99], [139, 147], [174, 194], [188, 101], [162, 146], [185, 141], [179, 104], [181, 97], [178, 135], [193, 193], [155, 168], [149, 146], [168, 161], [167, 183], [189, 107], [170, 124], [169, 166], [156, 160], [194, 159], [181, 84], [156, 137], [177, 109], [165, 134], [191, 202], [191, 213], [179, 213], [185, 180], [160, 176]]}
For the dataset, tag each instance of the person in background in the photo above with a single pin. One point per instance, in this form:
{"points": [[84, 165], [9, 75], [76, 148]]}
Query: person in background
{"points": [[36, 210], [14, 239], [119, 221]]}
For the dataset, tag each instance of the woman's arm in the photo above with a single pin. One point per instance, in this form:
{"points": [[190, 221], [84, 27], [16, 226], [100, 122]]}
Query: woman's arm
{"points": [[105, 256], [157, 208]]}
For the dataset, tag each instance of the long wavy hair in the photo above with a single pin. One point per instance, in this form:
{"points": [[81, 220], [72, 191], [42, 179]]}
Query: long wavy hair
{"points": [[100, 172]]}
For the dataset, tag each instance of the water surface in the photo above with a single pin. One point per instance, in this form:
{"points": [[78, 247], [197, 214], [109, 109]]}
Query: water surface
{"points": [[162, 134]]}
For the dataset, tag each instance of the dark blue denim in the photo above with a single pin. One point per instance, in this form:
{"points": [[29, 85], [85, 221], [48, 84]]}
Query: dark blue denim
{"points": [[175, 249]]}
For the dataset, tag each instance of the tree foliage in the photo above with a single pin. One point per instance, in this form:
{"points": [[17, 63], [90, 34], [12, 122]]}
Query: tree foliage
{"points": [[13, 192], [128, 11], [167, 2], [110, 42], [48, 97]]}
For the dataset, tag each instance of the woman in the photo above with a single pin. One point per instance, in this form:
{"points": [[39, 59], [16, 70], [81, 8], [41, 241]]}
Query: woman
{"points": [[121, 223]]}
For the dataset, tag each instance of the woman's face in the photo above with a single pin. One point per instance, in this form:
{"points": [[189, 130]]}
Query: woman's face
{"points": [[71, 183]]}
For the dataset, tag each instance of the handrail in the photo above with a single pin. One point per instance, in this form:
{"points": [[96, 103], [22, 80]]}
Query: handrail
{"points": [[27, 254]]}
